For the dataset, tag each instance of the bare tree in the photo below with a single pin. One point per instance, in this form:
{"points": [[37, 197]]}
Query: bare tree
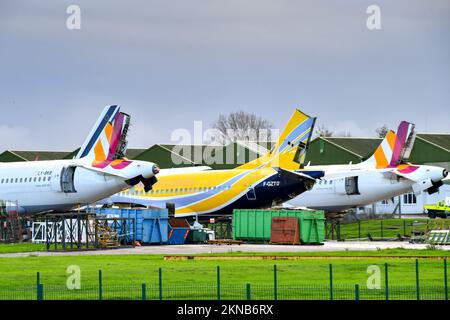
{"points": [[242, 126], [382, 131], [344, 134], [322, 131]]}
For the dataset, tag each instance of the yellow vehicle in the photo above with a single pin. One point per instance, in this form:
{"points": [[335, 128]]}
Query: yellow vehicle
{"points": [[440, 209]]}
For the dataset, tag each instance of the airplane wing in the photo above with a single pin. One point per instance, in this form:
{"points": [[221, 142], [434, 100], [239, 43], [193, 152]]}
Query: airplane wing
{"points": [[107, 170], [403, 171]]}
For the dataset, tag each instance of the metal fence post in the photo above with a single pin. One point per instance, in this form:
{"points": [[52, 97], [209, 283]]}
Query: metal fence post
{"points": [[40, 292], [356, 291], [38, 286], [275, 282], [359, 229], [386, 275], [100, 285], [331, 281], [338, 231], [417, 280], [445, 279], [144, 291], [218, 282], [247, 289], [160, 284]]}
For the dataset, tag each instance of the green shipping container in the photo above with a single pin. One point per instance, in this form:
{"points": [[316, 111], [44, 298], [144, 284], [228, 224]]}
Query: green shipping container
{"points": [[197, 236], [255, 225]]}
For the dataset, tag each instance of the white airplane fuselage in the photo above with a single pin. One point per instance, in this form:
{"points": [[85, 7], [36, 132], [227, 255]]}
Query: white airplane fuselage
{"points": [[41, 186], [372, 185]]}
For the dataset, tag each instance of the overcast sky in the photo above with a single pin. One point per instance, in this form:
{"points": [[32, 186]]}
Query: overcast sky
{"points": [[169, 63]]}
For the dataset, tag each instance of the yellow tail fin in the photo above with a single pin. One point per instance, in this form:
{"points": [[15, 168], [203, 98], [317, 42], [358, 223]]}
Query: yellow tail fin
{"points": [[290, 150]]}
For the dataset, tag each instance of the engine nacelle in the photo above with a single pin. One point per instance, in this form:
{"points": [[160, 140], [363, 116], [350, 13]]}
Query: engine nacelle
{"points": [[421, 186]]}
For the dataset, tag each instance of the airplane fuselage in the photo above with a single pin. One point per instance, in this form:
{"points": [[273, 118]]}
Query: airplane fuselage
{"points": [[58, 185], [217, 192], [349, 186]]}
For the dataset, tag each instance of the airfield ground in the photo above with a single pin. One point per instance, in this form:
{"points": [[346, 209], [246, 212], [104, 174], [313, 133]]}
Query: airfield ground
{"points": [[24, 250], [190, 271]]}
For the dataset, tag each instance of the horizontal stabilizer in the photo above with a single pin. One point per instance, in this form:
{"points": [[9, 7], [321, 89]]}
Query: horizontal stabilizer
{"points": [[304, 174]]}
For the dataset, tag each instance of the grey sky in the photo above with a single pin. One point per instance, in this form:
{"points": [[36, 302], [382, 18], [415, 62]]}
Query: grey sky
{"points": [[169, 63]]}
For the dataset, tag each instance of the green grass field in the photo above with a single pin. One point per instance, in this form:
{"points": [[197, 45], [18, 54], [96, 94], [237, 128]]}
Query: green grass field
{"points": [[304, 278], [390, 228], [21, 247], [303, 275]]}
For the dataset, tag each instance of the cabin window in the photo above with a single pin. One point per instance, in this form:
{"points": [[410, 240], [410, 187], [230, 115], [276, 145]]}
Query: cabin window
{"points": [[34, 179], [3, 180], [185, 189], [17, 179], [21, 179]]}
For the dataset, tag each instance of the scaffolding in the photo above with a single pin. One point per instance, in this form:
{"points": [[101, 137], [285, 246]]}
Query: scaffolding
{"points": [[82, 231], [10, 222]]}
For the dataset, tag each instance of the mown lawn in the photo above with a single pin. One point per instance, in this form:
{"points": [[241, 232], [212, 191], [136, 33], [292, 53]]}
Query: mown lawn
{"points": [[21, 247], [123, 275], [390, 228]]}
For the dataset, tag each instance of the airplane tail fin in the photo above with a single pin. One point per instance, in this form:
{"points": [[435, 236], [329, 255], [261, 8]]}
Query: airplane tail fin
{"points": [[107, 140], [290, 150], [395, 147]]}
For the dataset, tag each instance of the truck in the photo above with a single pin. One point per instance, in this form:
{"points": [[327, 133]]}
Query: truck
{"points": [[440, 209]]}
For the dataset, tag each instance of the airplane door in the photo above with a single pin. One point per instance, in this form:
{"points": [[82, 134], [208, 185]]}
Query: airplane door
{"points": [[251, 195], [351, 185], [55, 180]]}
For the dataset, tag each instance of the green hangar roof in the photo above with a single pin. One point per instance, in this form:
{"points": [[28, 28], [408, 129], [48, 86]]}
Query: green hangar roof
{"points": [[428, 148], [13, 156]]}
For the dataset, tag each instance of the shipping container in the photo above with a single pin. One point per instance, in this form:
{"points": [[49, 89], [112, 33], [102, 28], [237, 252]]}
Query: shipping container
{"points": [[178, 231], [255, 225], [151, 225], [197, 236]]}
